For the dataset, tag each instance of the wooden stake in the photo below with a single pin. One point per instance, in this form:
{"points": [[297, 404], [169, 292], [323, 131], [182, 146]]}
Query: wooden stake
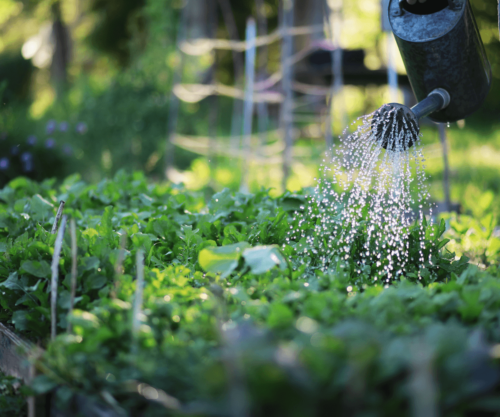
{"points": [[136, 322], [74, 250], [119, 263], [214, 99], [262, 110], [338, 73], [446, 168], [329, 98], [58, 217], [31, 400], [251, 34], [422, 384], [173, 108], [55, 278], [239, 405], [287, 106], [230, 22]]}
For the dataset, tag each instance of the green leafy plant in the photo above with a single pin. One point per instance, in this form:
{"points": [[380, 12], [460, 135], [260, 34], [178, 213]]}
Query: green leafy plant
{"points": [[228, 305], [12, 396]]}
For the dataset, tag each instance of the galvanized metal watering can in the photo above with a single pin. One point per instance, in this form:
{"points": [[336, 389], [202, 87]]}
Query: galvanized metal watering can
{"points": [[444, 57]]}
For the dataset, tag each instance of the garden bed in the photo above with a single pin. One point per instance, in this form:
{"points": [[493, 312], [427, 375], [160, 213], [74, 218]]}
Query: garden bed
{"points": [[16, 356], [12, 360], [230, 321]]}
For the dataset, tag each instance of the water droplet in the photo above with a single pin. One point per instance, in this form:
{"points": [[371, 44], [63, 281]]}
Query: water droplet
{"points": [[366, 195]]}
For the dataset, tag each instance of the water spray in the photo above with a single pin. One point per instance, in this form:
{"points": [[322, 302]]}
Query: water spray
{"points": [[446, 64], [365, 206]]}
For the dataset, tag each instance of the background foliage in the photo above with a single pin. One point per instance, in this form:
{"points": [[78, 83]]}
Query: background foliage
{"points": [[123, 55]]}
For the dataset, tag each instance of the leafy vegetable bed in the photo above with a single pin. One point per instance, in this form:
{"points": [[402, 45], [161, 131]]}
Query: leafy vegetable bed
{"points": [[233, 322], [12, 401]]}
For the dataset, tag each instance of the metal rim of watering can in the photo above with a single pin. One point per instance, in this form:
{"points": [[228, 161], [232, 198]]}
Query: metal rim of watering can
{"points": [[444, 94], [438, 99]]}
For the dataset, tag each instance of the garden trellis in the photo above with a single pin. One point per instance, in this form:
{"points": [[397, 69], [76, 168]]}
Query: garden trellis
{"points": [[262, 91]]}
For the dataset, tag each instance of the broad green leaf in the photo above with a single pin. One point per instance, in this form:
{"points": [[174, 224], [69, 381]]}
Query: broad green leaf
{"points": [[20, 320], [105, 228], [293, 203], [90, 263], [64, 299], [143, 241], [442, 243], [38, 269], [95, 282], [42, 384], [222, 260], [13, 283], [41, 209], [84, 319], [146, 200], [261, 259], [279, 316]]}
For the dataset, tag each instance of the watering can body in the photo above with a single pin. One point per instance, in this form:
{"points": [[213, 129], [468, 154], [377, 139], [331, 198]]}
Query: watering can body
{"points": [[441, 48]]}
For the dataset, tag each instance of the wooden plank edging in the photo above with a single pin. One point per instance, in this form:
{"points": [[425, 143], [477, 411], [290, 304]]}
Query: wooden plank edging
{"points": [[13, 351], [14, 354]]}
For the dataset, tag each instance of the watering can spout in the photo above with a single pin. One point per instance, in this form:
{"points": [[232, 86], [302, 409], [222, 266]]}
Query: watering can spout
{"points": [[395, 117], [437, 100]]}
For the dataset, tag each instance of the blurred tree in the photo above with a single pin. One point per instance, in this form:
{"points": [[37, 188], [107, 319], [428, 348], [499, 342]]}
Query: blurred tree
{"points": [[15, 75], [62, 50], [111, 34], [486, 14]]}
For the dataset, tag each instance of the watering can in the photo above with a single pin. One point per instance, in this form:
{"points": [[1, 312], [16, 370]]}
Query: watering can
{"points": [[444, 58]]}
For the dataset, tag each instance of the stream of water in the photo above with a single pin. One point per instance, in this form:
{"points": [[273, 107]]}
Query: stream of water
{"points": [[368, 197]]}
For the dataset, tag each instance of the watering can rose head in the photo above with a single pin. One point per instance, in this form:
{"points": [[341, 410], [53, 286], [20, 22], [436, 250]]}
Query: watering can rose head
{"points": [[394, 127]]}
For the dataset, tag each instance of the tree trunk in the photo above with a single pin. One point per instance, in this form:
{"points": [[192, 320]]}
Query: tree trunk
{"points": [[62, 51]]}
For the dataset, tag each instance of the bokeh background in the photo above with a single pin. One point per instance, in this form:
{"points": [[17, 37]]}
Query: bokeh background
{"points": [[94, 86]]}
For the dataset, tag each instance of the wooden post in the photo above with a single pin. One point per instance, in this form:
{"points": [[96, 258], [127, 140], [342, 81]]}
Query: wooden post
{"points": [[137, 308], [446, 167], [119, 264], [213, 99], [55, 279], [55, 225], [422, 386], [251, 33], [287, 106], [337, 62], [329, 99], [262, 110], [173, 108], [61, 56], [74, 253], [230, 23]]}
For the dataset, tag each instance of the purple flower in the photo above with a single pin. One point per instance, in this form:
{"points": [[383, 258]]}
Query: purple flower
{"points": [[81, 128], [31, 140], [63, 126], [50, 143], [26, 156], [4, 164], [68, 150], [14, 150], [27, 159], [51, 126]]}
